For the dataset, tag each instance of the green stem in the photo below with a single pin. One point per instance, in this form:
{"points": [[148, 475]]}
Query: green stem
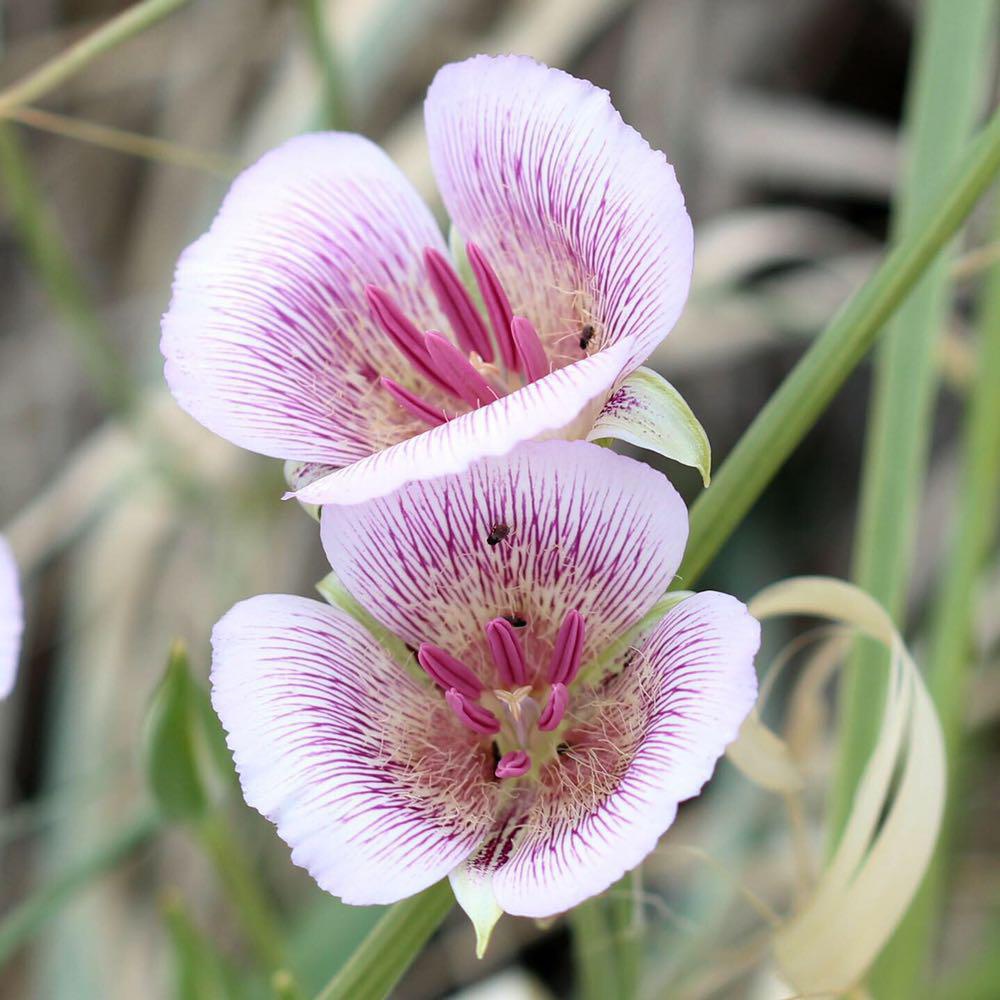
{"points": [[593, 956], [57, 272], [394, 942], [25, 920], [945, 88], [821, 371], [626, 933], [240, 881], [950, 651], [56, 71]]}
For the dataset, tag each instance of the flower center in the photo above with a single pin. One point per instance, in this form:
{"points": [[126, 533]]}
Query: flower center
{"points": [[526, 706], [466, 373]]}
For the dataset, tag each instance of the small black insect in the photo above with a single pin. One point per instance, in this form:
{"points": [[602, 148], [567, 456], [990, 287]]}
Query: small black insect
{"points": [[562, 748], [586, 336], [497, 534], [516, 620]]}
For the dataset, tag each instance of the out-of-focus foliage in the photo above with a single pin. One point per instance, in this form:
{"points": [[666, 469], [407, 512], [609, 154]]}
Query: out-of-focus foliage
{"points": [[133, 526]]}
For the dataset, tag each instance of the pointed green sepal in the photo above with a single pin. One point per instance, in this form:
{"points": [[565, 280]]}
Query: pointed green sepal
{"points": [[647, 411], [474, 893]]}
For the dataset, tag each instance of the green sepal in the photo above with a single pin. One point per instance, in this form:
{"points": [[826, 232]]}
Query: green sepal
{"points": [[647, 411]]}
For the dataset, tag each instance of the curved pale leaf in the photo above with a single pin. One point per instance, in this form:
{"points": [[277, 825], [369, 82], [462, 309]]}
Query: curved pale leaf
{"points": [[829, 944], [647, 411]]}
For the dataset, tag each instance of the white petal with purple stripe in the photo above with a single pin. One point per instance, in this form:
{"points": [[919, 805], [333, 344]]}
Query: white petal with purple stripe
{"points": [[11, 619], [649, 739], [331, 741], [582, 529]]}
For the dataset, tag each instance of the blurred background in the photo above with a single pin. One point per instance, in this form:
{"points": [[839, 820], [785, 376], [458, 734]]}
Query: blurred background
{"points": [[135, 527]]}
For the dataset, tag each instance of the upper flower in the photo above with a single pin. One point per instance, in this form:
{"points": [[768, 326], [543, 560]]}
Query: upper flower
{"points": [[11, 619], [516, 751], [321, 319]]}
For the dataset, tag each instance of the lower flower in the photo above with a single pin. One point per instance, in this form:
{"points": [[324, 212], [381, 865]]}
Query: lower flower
{"points": [[516, 751]]}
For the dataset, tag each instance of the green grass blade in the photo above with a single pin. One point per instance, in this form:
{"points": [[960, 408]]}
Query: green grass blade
{"points": [[25, 920], [949, 657], [45, 249], [945, 89], [821, 371], [56, 71]]}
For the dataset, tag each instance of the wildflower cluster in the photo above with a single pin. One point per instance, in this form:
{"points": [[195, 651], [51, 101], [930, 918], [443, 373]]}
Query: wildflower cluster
{"points": [[537, 740]]}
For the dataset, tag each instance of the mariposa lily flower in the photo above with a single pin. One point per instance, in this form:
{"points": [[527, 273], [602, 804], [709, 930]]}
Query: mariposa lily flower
{"points": [[516, 751], [11, 618], [322, 321]]}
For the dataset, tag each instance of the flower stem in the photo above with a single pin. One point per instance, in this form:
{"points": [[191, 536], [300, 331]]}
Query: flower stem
{"points": [[240, 881], [821, 371], [394, 942], [944, 92], [595, 961], [56, 71]]}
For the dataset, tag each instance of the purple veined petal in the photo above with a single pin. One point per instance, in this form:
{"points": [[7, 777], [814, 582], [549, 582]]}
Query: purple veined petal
{"points": [[668, 718], [588, 530], [270, 340], [563, 404], [582, 221], [11, 619], [330, 740]]}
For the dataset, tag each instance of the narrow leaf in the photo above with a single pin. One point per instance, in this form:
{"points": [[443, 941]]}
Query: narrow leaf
{"points": [[829, 944], [647, 411], [171, 748]]}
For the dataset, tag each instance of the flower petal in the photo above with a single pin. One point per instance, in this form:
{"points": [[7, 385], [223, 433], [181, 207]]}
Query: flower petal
{"points": [[270, 340], [586, 529], [11, 619], [654, 737], [556, 405], [330, 738], [582, 221]]}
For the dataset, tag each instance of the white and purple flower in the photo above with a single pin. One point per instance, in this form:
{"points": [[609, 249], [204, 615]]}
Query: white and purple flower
{"points": [[11, 619], [321, 320], [513, 758]]}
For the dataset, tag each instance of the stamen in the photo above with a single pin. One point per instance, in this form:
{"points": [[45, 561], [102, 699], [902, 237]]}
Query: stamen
{"points": [[456, 370], [471, 714], [530, 351], [413, 403], [455, 302], [497, 304], [513, 764], [447, 672], [568, 651], [507, 652], [401, 331], [554, 709]]}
